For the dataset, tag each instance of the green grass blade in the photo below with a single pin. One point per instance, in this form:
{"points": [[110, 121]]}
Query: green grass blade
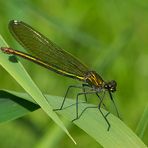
{"points": [[93, 123], [17, 71], [143, 123], [12, 107]]}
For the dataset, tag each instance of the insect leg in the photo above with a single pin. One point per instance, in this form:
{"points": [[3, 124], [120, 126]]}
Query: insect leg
{"points": [[83, 88], [71, 86], [104, 116], [111, 97], [77, 102], [100, 99]]}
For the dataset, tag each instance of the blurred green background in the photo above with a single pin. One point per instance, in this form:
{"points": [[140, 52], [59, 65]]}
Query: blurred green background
{"points": [[111, 37]]}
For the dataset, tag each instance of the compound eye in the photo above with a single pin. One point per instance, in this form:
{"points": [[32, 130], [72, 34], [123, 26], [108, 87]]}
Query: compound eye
{"points": [[113, 88], [113, 83]]}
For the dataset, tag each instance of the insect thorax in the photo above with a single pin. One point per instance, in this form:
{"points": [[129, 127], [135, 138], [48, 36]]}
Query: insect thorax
{"points": [[94, 80]]}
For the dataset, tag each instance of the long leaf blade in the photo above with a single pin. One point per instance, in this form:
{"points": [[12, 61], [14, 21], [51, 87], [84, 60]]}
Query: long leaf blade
{"points": [[118, 136], [21, 76]]}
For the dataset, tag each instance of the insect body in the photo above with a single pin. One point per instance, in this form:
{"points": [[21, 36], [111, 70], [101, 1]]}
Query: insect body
{"points": [[47, 54]]}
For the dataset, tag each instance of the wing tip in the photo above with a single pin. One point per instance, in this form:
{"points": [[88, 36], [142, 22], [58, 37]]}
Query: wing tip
{"points": [[14, 22]]}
